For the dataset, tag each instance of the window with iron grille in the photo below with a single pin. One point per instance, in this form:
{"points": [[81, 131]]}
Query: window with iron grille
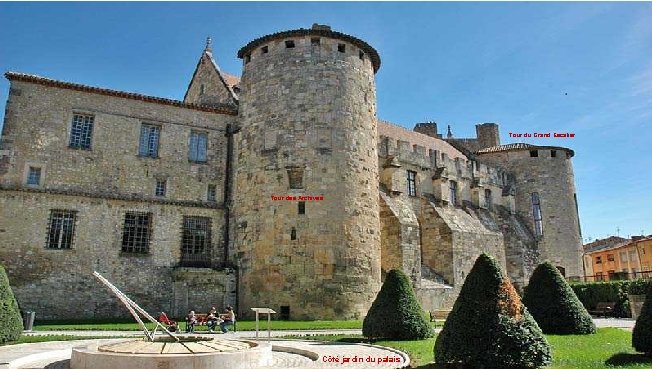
{"points": [[211, 195], [149, 138], [295, 177], [161, 185], [81, 132], [61, 229], [536, 214], [412, 183], [34, 176], [136, 232], [487, 198], [196, 237], [198, 146]]}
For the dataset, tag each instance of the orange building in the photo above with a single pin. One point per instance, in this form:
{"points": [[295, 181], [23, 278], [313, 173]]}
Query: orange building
{"points": [[629, 259]]}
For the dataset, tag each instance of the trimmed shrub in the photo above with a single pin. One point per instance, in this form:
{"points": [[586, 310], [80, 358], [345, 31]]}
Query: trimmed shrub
{"points": [[11, 324], [612, 291], [642, 335], [553, 303], [396, 313], [489, 327]]}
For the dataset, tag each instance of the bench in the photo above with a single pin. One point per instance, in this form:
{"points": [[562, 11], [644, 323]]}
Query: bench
{"points": [[603, 309], [439, 315]]}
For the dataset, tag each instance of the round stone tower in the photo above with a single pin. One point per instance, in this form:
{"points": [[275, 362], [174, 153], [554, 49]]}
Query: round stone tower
{"points": [[545, 198], [306, 183]]}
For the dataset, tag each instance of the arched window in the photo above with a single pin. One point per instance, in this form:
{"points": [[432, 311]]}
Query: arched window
{"points": [[536, 214]]}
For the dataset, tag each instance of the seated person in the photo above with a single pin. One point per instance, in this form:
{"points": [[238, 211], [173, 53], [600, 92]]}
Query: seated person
{"points": [[228, 319], [171, 324], [191, 320], [212, 320]]}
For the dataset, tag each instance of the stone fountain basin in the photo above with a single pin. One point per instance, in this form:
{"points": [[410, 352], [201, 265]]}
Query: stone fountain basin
{"points": [[192, 352]]}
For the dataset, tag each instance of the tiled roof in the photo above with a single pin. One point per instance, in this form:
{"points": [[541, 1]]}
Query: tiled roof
{"points": [[520, 147], [230, 79], [613, 245], [415, 138], [302, 32], [15, 76]]}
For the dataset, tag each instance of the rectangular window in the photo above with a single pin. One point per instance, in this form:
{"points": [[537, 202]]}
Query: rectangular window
{"points": [[295, 177], [452, 195], [487, 198], [161, 185], [196, 238], [289, 44], [149, 138], [553, 153], [610, 257], [81, 132], [293, 234], [34, 176], [61, 229], [211, 194], [534, 154], [136, 232], [632, 255], [536, 214], [302, 207], [264, 49], [361, 55], [198, 146], [341, 48], [412, 183], [623, 256], [315, 41], [598, 259]]}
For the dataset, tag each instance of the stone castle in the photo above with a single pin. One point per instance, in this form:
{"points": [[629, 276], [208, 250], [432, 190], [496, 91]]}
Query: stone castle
{"points": [[278, 189]]}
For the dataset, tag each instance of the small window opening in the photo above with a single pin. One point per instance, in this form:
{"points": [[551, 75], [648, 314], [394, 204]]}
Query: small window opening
{"points": [[289, 44], [264, 49], [553, 153], [34, 176], [315, 41], [361, 55], [295, 176], [293, 234], [201, 89], [341, 48], [302, 207], [247, 58], [211, 195], [160, 188], [534, 153]]}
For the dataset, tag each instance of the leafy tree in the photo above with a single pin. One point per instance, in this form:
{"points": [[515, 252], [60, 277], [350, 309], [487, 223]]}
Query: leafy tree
{"points": [[11, 325], [554, 305], [642, 335], [489, 327], [396, 313]]}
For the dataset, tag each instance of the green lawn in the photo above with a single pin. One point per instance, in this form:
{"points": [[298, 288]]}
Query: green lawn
{"points": [[242, 325], [609, 348], [54, 337]]}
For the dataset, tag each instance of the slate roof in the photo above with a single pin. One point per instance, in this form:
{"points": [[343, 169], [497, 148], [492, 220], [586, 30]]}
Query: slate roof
{"points": [[32, 78]]}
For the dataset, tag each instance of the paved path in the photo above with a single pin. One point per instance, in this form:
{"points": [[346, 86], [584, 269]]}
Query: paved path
{"points": [[287, 354], [54, 355]]}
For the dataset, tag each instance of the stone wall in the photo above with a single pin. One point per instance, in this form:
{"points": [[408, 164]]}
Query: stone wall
{"points": [[207, 86], [58, 283], [552, 178], [37, 131], [307, 112]]}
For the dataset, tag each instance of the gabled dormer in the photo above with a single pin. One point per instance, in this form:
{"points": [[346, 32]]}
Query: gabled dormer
{"points": [[209, 85]]}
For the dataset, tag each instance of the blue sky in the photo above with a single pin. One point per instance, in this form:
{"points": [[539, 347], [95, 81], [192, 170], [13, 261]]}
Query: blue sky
{"points": [[584, 68]]}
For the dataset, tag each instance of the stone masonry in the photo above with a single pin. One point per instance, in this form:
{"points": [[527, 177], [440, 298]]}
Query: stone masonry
{"points": [[281, 189]]}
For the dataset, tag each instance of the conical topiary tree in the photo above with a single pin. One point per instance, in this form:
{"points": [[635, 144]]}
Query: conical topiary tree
{"points": [[11, 325], [642, 335], [554, 305], [489, 327], [396, 313]]}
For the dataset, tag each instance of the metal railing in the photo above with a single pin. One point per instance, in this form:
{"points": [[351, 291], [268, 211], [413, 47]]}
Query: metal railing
{"points": [[616, 276]]}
